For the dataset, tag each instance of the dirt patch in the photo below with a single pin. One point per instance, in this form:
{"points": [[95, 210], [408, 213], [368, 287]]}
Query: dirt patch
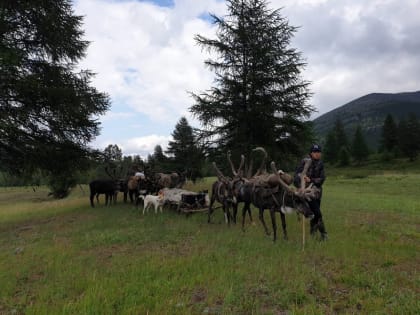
{"points": [[405, 273], [199, 295], [104, 254]]}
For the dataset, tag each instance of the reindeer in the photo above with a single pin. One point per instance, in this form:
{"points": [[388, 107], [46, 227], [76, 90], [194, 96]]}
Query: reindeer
{"points": [[109, 187], [239, 183], [172, 180], [133, 183], [267, 191], [222, 194], [277, 196], [242, 186]]}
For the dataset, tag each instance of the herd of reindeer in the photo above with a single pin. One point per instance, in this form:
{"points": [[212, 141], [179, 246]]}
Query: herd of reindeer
{"points": [[272, 190]]}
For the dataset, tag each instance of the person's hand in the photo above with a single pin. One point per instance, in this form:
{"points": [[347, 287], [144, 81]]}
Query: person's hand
{"points": [[307, 179]]}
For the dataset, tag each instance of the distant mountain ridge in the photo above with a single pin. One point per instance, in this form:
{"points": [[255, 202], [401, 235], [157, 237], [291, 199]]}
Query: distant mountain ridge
{"points": [[369, 111]]}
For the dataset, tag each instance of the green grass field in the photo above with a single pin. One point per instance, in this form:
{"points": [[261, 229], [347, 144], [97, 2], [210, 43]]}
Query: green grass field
{"points": [[63, 257]]}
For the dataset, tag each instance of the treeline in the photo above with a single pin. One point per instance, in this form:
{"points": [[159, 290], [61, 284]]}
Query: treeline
{"points": [[399, 139], [183, 155]]}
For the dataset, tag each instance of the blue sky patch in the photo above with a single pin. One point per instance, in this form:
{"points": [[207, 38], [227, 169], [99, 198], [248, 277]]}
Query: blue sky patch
{"points": [[162, 3]]}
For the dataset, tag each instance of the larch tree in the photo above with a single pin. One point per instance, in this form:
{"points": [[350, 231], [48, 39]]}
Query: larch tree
{"points": [[331, 148], [359, 148], [389, 135], [408, 135], [259, 97], [48, 110], [340, 136], [186, 156]]}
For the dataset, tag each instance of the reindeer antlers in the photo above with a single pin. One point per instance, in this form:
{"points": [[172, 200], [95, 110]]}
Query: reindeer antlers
{"points": [[308, 163], [262, 166], [278, 178], [238, 172], [218, 172]]}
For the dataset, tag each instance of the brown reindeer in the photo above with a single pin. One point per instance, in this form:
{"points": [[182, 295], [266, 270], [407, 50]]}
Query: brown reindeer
{"points": [[222, 194], [277, 196], [172, 180]]}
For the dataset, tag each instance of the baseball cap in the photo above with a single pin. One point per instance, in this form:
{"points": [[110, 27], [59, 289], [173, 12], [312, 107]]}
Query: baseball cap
{"points": [[316, 148]]}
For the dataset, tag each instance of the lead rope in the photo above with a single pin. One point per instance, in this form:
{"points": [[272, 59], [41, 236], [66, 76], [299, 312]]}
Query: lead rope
{"points": [[303, 233]]}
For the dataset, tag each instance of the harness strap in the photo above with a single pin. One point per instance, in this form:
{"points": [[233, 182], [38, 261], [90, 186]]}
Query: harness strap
{"points": [[274, 197]]}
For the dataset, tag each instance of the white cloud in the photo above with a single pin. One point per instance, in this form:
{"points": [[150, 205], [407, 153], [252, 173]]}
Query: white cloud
{"points": [[145, 145], [146, 55], [116, 115], [137, 146]]}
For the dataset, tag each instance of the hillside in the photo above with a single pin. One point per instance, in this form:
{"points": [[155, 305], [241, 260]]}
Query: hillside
{"points": [[369, 111]]}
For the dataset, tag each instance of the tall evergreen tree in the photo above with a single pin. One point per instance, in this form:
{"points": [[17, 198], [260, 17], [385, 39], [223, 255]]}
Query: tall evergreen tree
{"points": [[186, 155], [48, 111], [389, 135], [331, 148], [158, 161], [112, 158], [343, 156], [112, 153], [359, 148], [259, 98], [340, 135], [408, 131]]}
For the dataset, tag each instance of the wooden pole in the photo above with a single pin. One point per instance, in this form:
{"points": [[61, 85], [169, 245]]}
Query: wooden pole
{"points": [[303, 233]]}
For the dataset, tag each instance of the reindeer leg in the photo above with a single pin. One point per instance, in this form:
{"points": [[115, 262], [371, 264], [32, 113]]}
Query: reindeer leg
{"points": [[227, 213], [273, 223], [261, 216], [283, 224], [210, 209], [243, 217], [91, 200], [248, 208], [235, 212]]}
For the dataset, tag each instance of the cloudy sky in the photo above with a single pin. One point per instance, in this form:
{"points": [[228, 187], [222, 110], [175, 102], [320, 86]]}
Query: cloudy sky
{"points": [[145, 57]]}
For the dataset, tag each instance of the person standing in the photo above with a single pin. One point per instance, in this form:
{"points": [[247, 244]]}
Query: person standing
{"points": [[315, 175]]}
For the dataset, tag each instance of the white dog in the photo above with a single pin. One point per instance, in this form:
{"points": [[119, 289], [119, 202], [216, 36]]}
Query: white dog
{"points": [[156, 201]]}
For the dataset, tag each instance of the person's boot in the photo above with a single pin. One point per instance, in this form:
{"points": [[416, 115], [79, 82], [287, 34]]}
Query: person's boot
{"points": [[321, 228]]}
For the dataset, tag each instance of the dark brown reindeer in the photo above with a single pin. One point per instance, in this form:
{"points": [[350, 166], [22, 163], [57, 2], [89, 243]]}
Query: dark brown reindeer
{"points": [[109, 187], [240, 184], [243, 186], [222, 194], [275, 194], [267, 191]]}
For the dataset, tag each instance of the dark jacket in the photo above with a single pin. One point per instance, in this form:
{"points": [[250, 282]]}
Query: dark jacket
{"points": [[315, 173]]}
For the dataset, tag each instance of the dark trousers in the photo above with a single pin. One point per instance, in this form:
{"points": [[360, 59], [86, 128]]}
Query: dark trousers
{"points": [[316, 222]]}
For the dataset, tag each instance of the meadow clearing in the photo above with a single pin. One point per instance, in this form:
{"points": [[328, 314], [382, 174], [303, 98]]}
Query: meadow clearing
{"points": [[64, 257]]}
